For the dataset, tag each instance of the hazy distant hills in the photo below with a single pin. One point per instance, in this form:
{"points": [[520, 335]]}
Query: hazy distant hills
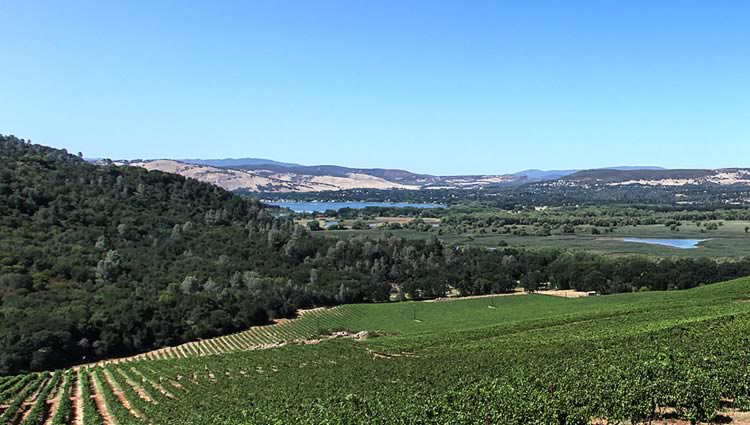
{"points": [[337, 171], [269, 176], [535, 174], [237, 162], [259, 175], [658, 177]]}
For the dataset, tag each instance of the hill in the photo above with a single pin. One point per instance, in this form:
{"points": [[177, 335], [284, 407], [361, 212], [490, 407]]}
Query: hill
{"points": [[236, 162], [629, 167], [531, 359], [266, 176], [290, 178], [660, 177], [101, 261], [535, 174], [271, 178], [105, 260]]}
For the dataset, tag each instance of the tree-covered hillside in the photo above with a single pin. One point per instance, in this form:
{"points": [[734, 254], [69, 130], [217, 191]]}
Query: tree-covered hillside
{"points": [[98, 261], [101, 261]]}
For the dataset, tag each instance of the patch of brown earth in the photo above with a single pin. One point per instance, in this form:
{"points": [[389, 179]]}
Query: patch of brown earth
{"points": [[77, 402], [101, 406], [52, 407], [564, 293], [473, 297], [381, 355], [339, 334]]}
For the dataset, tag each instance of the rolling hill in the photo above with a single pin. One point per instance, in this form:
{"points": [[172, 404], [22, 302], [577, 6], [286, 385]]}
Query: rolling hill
{"points": [[281, 178], [103, 260], [267, 176], [236, 162], [660, 177]]}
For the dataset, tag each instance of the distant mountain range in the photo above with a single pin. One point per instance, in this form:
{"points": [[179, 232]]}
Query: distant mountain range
{"points": [[269, 176], [261, 175], [237, 162], [535, 174]]}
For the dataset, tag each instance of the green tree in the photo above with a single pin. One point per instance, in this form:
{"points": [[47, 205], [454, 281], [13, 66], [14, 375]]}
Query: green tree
{"points": [[544, 230], [313, 225], [190, 285], [531, 281], [108, 268], [360, 225]]}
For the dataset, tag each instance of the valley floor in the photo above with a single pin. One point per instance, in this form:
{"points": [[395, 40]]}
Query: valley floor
{"points": [[729, 241]]}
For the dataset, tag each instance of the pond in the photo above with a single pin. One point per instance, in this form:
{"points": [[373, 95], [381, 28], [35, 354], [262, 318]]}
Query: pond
{"points": [[302, 207], [673, 243]]}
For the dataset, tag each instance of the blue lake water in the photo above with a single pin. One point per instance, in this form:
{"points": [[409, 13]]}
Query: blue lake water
{"points": [[674, 243], [322, 206]]}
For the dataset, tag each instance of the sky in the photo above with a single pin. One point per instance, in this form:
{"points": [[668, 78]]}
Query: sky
{"points": [[441, 87]]}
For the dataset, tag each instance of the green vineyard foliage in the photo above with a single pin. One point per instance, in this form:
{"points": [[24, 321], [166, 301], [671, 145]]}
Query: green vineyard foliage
{"points": [[621, 359]]}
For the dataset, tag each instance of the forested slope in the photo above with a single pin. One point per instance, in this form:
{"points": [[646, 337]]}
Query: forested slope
{"points": [[100, 261], [95, 259]]}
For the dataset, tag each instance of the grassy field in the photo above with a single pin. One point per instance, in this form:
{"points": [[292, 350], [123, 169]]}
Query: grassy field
{"points": [[527, 359], [729, 241]]}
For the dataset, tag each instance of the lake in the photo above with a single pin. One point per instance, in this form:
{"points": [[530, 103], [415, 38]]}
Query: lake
{"points": [[302, 207], [674, 243]]}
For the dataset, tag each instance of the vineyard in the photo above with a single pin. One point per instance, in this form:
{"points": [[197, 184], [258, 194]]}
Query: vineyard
{"points": [[660, 357]]}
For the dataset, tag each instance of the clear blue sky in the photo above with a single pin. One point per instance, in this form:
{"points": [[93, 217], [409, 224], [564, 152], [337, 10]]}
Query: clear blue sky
{"points": [[430, 86]]}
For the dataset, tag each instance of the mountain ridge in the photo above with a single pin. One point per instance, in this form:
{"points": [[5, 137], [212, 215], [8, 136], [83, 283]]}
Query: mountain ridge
{"points": [[269, 176], [236, 162], [659, 177], [275, 178]]}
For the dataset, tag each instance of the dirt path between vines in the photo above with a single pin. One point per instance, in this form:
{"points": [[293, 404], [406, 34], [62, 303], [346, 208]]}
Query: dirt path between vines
{"points": [[53, 405], [120, 395], [101, 406], [77, 401]]}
